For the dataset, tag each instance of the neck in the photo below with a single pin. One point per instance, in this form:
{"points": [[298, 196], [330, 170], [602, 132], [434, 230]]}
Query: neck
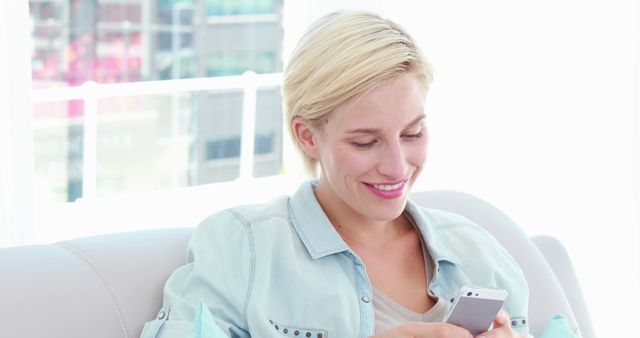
{"points": [[354, 227]]}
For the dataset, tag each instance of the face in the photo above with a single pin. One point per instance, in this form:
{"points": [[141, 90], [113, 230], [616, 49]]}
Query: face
{"points": [[371, 150]]}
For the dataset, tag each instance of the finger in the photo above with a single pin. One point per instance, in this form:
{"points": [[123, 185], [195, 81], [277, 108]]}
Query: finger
{"points": [[450, 330], [501, 332], [434, 330], [461, 332], [501, 327], [502, 319]]}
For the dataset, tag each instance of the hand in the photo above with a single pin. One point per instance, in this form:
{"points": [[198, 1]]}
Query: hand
{"points": [[501, 328], [426, 330]]}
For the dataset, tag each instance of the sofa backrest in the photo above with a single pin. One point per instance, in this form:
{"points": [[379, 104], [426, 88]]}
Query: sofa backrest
{"points": [[100, 287], [108, 286]]}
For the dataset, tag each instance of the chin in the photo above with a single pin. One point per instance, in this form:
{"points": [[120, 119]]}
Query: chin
{"points": [[386, 217], [389, 211]]}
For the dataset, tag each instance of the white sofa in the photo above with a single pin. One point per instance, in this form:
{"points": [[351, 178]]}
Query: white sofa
{"points": [[110, 285]]}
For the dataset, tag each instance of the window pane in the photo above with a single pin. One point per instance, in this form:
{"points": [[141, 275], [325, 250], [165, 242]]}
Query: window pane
{"points": [[219, 136], [143, 143], [238, 7], [154, 141], [58, 152]]}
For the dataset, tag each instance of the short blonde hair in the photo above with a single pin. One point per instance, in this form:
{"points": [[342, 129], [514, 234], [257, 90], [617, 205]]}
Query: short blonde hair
{"points": [[341, 55]]}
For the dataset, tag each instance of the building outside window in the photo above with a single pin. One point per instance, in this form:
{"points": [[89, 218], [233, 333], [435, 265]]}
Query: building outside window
{"points": [[152, 142]]}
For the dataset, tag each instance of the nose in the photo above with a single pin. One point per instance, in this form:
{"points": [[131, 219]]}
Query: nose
{"points": [[393, 163]]}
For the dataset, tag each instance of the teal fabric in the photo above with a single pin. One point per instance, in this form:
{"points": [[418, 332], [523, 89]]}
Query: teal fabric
{"points": [[279, 268], [204, 326], [558, 327]]}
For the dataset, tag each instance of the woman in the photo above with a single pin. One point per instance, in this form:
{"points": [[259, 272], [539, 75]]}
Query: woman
{"points": [[348, 255]]}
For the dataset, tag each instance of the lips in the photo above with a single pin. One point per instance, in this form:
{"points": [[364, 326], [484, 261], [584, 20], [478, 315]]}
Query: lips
{"points": [[388, 187], [388, 190]]}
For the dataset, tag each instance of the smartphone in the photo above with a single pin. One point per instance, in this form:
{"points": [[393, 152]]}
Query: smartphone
{"points": [[475, 308]]}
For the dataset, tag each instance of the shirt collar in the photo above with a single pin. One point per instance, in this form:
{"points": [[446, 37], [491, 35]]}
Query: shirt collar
{"points": [[438, 246], [314, 228], [321, 238]]}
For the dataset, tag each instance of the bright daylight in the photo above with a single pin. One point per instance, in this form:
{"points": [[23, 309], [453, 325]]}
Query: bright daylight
{"points": [[326, 169]]}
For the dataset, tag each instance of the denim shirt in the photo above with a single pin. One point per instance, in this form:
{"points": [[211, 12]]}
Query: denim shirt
{"points": [[281, 270]]}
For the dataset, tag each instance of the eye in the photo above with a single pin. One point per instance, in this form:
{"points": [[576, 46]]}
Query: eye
{"points": [[413, 136], [367, 145]]}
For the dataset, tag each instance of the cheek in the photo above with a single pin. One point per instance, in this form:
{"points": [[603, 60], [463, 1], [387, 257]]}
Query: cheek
{"points": [[351, 162], [418, 152]]}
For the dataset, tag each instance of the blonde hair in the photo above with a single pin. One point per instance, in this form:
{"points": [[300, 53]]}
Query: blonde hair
{"points": [[340, 56]]}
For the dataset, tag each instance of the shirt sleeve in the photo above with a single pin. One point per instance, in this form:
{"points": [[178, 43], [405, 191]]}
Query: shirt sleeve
{"points": [[218, 273], [508, 274]]}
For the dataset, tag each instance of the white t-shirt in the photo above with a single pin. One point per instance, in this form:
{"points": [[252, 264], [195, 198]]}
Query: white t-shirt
{"points": [[389, 314]]}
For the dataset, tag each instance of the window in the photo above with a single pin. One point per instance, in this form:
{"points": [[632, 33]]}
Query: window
{"points": [[142, 140]]}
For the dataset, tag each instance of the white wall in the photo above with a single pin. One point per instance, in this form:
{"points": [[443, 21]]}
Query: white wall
{"points": [[533, 109]]}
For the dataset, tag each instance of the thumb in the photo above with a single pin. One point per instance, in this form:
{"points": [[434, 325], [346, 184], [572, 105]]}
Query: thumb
{"points": [[502, 319]]}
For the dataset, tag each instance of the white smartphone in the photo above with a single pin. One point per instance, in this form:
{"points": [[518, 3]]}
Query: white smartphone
{"points": [[476, 308]]}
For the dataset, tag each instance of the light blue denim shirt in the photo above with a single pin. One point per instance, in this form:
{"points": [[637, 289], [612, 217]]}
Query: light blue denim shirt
{"points": [[281, 270]]}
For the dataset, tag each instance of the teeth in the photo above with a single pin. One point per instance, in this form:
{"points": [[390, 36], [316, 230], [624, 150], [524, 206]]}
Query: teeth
{"points": [[387, 187]]}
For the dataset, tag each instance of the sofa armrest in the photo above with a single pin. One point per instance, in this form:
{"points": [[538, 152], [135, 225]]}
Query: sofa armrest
{"points": [[558, 259]]}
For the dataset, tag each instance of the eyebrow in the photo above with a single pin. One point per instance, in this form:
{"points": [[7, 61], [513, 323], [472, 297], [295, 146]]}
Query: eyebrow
{"points": [[373, 130]]}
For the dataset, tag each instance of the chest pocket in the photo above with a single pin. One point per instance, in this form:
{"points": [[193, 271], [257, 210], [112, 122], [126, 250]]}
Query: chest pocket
{"points": [[298, 332]]}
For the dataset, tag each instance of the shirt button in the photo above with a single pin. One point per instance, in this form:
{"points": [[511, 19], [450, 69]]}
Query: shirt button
{"points": [[365, 299], [161, 314]]}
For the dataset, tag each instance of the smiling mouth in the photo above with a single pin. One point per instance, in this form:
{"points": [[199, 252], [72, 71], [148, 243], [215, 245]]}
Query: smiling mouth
{"points": [[388, 187], [388, 191]]}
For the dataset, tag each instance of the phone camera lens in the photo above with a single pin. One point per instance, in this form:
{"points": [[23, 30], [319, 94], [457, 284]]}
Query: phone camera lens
{"points": [[469, 293]]}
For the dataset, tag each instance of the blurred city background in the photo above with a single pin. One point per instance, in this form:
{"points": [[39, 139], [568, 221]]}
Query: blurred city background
{"points": [[158, 141]]}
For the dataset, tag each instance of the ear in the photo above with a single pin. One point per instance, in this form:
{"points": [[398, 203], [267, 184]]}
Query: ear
{"points": [[306, 136]]}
